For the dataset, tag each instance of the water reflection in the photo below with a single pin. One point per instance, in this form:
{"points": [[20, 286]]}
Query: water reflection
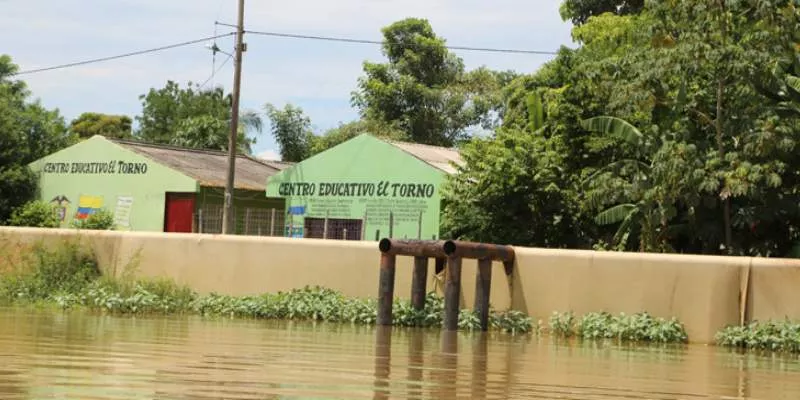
{"points": [[45, 354]]}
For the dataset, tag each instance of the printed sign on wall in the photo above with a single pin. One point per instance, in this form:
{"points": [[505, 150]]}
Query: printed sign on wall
{"points": [[122, 214]]}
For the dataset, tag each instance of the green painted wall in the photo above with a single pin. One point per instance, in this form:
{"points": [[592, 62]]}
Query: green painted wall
{"points": [[364, 175], [101, 173]]}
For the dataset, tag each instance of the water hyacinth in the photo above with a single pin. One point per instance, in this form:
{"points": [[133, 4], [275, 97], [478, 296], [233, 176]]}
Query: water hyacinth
{"points": [[309, 303], [69, 277], [779, 336], [640, 327]]}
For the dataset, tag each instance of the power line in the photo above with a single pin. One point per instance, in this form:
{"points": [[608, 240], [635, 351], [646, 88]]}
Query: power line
{"points": [[96, 60], [367, 41], [378, 42], [214, 73]]}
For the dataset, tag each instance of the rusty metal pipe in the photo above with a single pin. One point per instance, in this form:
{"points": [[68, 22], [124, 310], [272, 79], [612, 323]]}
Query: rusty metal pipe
{"points": [[494, 252], [483, 288], [386, 289], [418, 282], [415, 248], [452, 293]]}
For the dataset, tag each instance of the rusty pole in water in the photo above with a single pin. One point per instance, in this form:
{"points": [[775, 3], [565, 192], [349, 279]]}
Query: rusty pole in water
{"points": [[454, 252], [386, 289], [418, 282]]}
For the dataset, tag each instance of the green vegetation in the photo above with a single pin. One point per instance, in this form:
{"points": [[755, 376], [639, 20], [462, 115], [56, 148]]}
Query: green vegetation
{"points": [[89, 124], [640, 327], [37, 214], [28, 131], [670, 127], [68, 277], [193, 117], [101, 219], [779, 336]]}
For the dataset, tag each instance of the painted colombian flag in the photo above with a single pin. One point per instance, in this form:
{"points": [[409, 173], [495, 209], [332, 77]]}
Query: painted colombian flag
{"points": [[87, 205]]}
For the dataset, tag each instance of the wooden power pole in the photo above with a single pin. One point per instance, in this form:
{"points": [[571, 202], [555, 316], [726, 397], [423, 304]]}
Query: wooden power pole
{"points": [[228, 225]]}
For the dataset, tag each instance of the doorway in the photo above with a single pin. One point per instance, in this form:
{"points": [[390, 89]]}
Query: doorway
{"points": [[179, 212]]}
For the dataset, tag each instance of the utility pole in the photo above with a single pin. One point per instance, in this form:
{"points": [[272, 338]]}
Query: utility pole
{"points": [[227, 210]]}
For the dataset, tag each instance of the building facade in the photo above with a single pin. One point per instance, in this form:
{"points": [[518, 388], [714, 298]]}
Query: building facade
{"points": [[365, 189], [158, 188]]}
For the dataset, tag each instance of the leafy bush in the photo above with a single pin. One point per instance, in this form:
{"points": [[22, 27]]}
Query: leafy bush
{"points": [[639, 327], [781, 336], [101, 219], [562, 324], [69, 268], [37, 213]]}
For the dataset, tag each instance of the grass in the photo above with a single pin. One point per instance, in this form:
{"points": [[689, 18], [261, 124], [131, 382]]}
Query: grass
{"points": [[776, 336], [640, 327], [68, 277]]}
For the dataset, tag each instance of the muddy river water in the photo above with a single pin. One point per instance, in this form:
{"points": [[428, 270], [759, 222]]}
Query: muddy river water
{"points": [[74, 355]]}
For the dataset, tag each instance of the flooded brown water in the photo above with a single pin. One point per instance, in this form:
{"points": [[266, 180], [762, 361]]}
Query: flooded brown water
{"points": [[55, 355]]}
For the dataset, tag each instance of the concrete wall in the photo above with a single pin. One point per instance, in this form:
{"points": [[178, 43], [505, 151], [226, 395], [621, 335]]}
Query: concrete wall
{"points": [[706, 293]]}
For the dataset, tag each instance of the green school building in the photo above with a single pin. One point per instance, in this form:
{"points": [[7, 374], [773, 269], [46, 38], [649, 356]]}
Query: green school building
{"points": [[159, 188], [364, 189]]}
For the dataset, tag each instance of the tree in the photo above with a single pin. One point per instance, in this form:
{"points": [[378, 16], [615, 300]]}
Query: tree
{"points": [[697, 77], [645, 195], [193, 117], [345, 132], [292, 130], [579, 11], [28, 131], [207, 132], [512, 190], [423, 88], [89, 124]]}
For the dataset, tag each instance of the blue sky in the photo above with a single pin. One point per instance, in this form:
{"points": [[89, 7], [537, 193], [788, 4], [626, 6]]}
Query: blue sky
{"points": [[315, 75]]}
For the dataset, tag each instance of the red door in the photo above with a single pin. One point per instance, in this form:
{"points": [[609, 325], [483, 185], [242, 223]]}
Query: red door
{"points": [[179, 213]]}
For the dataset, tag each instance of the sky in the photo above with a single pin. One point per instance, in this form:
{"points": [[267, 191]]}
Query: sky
{"points": [[318, 76]]}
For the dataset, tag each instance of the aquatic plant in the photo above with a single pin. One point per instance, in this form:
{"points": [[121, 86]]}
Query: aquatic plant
{"points": [[641, 327], [562, 324], [779, 336], [68, 268], [68, 276]]}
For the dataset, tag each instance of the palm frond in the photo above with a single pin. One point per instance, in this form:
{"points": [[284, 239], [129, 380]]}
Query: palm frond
{"points": [[613, 126], [615, 214]]}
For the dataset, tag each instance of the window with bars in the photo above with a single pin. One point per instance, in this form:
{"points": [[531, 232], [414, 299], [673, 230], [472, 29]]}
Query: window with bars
{"points": [[333, 228]]}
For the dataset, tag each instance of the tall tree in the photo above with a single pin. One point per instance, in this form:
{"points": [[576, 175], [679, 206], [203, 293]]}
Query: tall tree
{"points": [[89, 124], [423, 87], [28, 131], [696, 77], [193, 117], [579, 11], [344, 132], [292, 131]]}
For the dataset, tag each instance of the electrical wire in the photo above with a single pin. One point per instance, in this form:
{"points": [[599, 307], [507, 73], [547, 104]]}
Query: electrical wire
{"points": [[215, 72], [96, 60], [378, 42]]}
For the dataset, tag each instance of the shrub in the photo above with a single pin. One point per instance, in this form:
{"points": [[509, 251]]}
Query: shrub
{"points": [[69, 268], [37, 213], [640, 327], [781, 336], [101, 219]]}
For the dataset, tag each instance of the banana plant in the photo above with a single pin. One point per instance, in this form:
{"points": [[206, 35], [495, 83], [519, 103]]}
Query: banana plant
{"points": [[643, 215]]}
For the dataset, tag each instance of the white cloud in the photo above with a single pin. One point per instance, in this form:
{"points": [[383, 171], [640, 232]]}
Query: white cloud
{"points": [[269, 154]]}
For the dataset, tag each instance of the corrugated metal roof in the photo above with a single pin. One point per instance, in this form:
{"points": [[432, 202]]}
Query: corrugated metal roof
{"points": [[209, 167], [435, 156]]}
